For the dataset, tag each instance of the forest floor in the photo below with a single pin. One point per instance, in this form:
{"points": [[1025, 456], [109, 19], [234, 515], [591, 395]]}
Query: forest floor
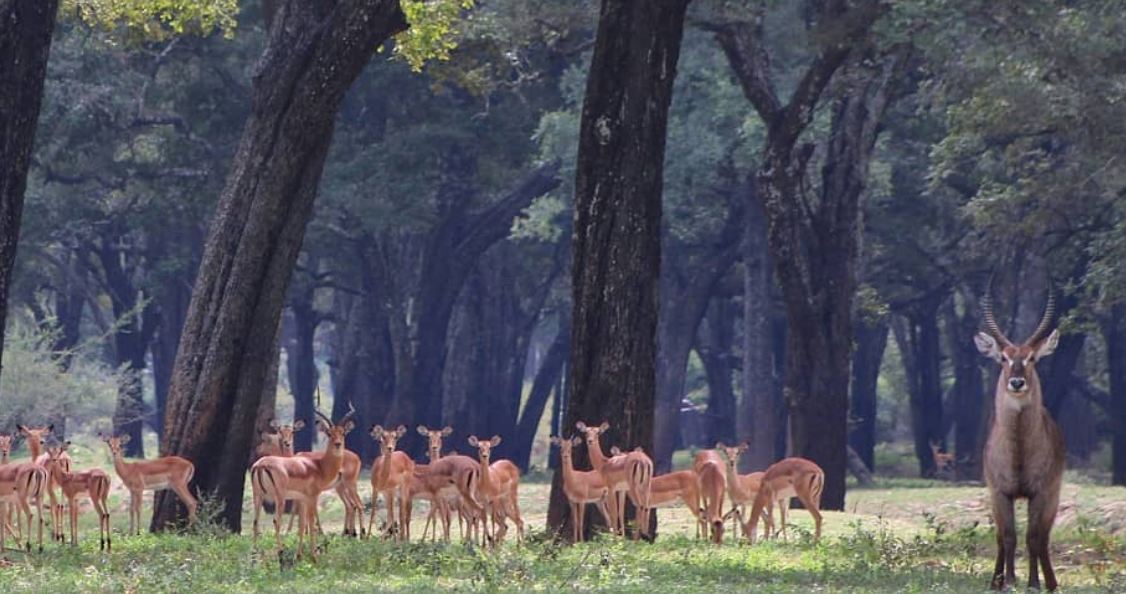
{"points": [[905, 535]]}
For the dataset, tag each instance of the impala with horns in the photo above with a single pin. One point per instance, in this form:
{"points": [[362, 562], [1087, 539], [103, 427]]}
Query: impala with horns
{"points": [[168, 472], [301, 479], [1024, 454]]}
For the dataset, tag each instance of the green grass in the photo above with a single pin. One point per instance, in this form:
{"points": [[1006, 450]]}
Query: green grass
{"points": [[906, 535]]}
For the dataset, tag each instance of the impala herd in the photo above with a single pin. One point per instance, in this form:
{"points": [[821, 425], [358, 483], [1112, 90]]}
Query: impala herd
{"points": [[1023, 458]]}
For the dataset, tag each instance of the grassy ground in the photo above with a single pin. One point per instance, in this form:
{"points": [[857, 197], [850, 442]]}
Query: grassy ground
{"points": [[903, 536]]}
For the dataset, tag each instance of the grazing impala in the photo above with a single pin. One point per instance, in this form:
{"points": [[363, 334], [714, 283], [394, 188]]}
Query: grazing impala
{"points": [[93, 483], [499, 484], [581, 488], [390, 474], [708, 466], [741, 487], [302, 479], [21, 485], [36, 437], [169, 472], [789, 477], [1024, 455], [626, 474]]}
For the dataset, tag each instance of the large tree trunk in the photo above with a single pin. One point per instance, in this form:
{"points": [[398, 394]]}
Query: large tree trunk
{"points": [[547, 376], [969, 398], [1114, 331], [918, 339], [299, 334], [758, 421], [314, 52], [871, 339], [176, 295], [715, 346], [616, 257], [25, 43]]}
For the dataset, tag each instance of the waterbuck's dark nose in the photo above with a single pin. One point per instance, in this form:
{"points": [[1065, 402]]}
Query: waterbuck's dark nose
{"points": [[1016, 384]]}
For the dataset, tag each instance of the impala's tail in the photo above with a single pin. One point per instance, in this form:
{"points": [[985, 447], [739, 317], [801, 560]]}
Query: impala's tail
{"points": [[816, 486]]}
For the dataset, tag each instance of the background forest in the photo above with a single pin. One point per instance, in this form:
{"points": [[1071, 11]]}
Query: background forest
{"points": [[980, 141]]}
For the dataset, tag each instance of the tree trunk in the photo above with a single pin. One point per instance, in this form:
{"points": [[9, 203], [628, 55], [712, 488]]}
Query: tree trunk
{"points": [[918, 339], [1114, 330], [758, 418], [174, 302], [25, 43], [314, 52], [616, 257], [871, 339], [715, 346], [301, 365], [547, 376], [969, 397]]}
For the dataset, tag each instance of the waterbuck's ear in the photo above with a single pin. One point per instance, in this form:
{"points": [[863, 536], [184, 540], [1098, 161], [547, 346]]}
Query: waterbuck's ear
{"points": [[422, 430], [1048, 345], [987, 345]]}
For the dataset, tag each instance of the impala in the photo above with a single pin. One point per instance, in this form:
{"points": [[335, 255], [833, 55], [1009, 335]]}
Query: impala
{"points": [[20, 485], [446, 505], [302, 479], [626, 474], [453, 477], [390, 473], [742, 488], [581, 488], [168, 472], [1024, 454], [498, 488], [789, 477], [36, 437], [7, 517], [943, 462], [708, 466], [93, 483]]}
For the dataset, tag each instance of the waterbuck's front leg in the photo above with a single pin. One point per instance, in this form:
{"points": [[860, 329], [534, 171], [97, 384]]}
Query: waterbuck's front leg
{"points": [[1004, 571], [1041, 515]]}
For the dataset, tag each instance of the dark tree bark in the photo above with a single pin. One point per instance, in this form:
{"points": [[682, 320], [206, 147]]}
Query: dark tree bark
{"points": [[314, 53], [813, 239], [689, 276], [616, 257], [871, 339], [715, 346], [758, 421], [547, 376], [1114, 331], [971, 408], [918, 338], [25, 43], [299, 335], [176, 295]]}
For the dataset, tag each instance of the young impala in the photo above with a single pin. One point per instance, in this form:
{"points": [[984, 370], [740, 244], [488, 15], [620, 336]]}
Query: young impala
{"points": [[581, 488], [1024, 454], [789, 477], [390, 475], [168, 472], [627, 474], [92, 483], [499, 483]]}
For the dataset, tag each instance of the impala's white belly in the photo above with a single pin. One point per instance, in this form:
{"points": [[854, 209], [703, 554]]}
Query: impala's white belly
{"points": [[155, 482]]}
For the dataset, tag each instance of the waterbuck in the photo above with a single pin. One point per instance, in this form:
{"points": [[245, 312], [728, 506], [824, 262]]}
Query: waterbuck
{"points": [[1024, 455]]}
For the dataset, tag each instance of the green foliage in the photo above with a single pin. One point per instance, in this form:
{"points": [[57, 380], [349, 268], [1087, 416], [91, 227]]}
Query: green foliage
{"points": [[153, 20], [434, 30]]}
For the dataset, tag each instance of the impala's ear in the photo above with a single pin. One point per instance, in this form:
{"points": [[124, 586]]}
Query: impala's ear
{"points": [[1048, 345], [744, 447], [473, 440], [576, 441], [51, 428], [66, 444], [422, 430], [23, 430], [719, 445], [615, 450], [400, 431], [581, 426], [447, 430], [124, 439], [272, 424], [604, 427], [987, 345], [555, 440], [495, 441], [377, 431], [349, 426], [298, 425]]}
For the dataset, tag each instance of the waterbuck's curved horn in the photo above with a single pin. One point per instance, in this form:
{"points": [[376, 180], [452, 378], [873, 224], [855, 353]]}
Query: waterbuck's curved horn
{"points": [[991, 323], [1046, 321]]}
